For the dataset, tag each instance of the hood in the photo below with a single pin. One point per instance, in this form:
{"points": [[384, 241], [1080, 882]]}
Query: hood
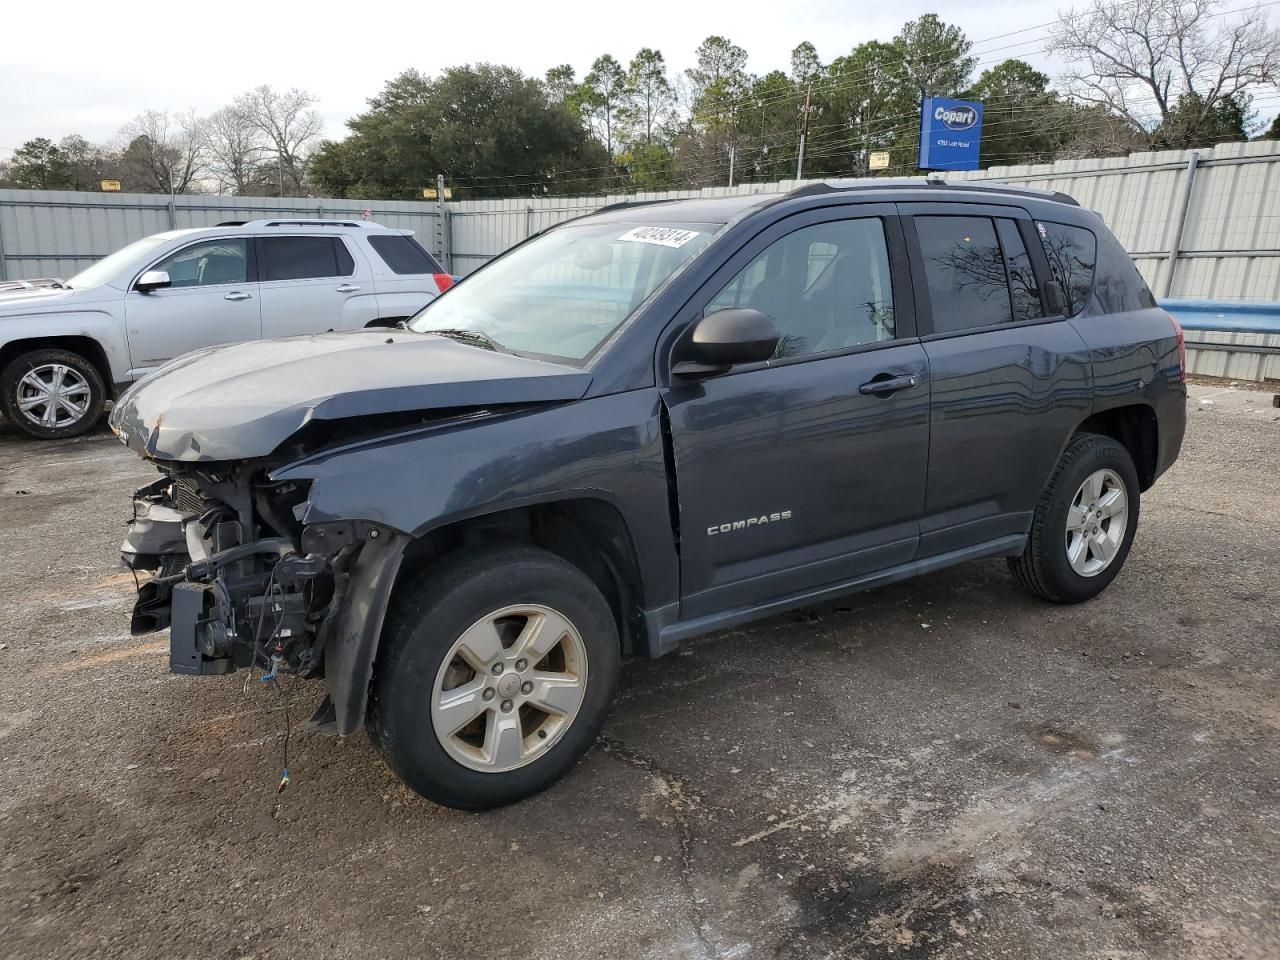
{"points": [[24, 298], [244, 400]]}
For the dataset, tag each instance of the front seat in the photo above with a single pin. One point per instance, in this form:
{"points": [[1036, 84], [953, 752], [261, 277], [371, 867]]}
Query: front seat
{"points": [[221, 268], [781, 299], [841, 299]]}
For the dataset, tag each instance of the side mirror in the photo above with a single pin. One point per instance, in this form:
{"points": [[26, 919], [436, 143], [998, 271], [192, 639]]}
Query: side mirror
{"points": [[152, 280], [1055, 298], [725, 339]]}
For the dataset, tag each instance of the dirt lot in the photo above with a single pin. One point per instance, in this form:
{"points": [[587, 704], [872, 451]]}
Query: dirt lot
{"points": [[944, 768]]}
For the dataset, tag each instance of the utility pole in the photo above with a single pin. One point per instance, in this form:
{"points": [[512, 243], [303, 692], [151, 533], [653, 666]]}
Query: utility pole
{"points": [[732, 151], [446, 239], [804, 131]]}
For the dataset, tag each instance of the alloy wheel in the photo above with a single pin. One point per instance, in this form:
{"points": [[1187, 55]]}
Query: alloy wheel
{"points": [[54, 395], [509, 688], [1096, 523]]}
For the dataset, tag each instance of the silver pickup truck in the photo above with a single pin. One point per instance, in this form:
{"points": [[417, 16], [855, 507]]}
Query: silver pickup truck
{"points": [[68, 347]]}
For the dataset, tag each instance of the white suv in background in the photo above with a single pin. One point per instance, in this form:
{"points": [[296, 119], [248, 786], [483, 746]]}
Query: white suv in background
{"points": [[67, 347]]}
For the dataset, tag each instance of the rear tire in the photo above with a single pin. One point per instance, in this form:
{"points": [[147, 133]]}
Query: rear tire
{"points": [[50, 394], [460, 683], [1084, 524]]}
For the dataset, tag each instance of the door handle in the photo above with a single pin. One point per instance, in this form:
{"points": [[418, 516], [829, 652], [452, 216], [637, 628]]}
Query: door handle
{"points": [[346, 288], [237, 295], [888, 385]]}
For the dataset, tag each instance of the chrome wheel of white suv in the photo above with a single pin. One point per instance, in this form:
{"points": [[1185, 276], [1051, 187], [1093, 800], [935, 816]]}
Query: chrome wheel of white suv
{"points": [[49, 393], [54, 395]]}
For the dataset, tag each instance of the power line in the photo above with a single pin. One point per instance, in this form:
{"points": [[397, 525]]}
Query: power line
{"points": [[845, 82], [883, 127]]}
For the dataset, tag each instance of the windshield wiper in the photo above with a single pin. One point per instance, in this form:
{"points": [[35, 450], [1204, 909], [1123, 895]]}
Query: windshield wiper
{"points": [[474, 337]]}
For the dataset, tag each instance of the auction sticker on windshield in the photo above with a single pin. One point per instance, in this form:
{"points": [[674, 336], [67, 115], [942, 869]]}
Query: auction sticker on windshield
{"points": [[663, 236]]}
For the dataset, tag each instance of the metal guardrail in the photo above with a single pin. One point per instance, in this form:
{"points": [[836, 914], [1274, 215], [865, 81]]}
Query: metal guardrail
{"points": [[1227, 316], [1236, 339]]}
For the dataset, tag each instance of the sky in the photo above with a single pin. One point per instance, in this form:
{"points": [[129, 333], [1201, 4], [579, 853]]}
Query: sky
{"points": [[98, 66]]}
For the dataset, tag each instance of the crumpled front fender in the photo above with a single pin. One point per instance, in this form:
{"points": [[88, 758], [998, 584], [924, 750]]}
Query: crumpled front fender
{"points": [[352, 646]]}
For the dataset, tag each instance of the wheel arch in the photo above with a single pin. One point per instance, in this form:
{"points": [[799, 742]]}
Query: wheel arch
{"points": [[84, 346], [588, 532], [1136, 428]]}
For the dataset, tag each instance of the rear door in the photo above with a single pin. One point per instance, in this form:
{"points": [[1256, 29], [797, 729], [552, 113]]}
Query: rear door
{"points": [[212, 299], [807, 470], [313, 284], [1009, 383]]}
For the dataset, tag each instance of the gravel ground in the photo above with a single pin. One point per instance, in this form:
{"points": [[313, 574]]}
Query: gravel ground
{"points": [[943, 768]]}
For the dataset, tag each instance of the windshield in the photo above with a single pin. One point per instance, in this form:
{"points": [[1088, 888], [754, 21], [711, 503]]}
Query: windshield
{"points": [[106, 268], [562, 294]]}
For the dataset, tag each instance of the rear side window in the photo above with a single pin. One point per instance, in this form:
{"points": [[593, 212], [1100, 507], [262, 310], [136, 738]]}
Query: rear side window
{"points": [[1073, 254], [966, 273], [303, 258], [1022, 278], [404, 254]]}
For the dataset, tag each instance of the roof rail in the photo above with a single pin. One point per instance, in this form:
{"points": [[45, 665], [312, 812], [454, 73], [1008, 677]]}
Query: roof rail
{"points": [[307, 222], [231, 223], [624, 204], [929, 182]]}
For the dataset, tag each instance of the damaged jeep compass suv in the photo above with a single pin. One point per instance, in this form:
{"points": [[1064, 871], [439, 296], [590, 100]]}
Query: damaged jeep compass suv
{"points": [[639, 426]]}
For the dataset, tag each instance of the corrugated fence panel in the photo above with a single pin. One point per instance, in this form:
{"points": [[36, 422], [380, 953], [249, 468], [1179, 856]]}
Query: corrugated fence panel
{"points": [[1230, 246], [59, 233]]}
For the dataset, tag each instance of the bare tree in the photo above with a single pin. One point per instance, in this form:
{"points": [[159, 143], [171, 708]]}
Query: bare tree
{"points": [[164, 153], [236, 149], [1147, 60], [289, 125]]}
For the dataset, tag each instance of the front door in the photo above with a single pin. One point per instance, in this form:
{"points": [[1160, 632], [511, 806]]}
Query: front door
{"points": [[808, 470], [212, 299]]}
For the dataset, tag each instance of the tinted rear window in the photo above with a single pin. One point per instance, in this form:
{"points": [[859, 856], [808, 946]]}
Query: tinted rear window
{"points": [[302, 258], [404, 254], [1073, 254]]}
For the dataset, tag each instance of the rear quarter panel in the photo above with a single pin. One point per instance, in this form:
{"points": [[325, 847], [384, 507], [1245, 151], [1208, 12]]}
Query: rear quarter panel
{"points": [[1133, 347]]}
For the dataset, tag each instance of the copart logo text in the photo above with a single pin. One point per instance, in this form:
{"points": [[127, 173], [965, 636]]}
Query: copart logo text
{"points": [[956, 118]]}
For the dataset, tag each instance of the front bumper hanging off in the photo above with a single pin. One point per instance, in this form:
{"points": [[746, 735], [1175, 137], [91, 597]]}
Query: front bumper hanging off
{"points": [[310, 603]]}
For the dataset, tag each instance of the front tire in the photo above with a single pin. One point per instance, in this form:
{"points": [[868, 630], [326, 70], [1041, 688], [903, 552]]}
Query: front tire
{"points": [[1084, 524], [49, 394], [495, 676]]}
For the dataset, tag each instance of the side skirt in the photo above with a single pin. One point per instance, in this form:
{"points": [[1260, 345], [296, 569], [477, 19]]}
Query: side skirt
{"points": [[670, 635]]}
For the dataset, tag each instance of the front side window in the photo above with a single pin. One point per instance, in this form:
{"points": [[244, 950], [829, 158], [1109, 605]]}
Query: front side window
{"points": [[562, 294], [825, 287], [1072, 253], [207, 264], [304, 258], [965, 272]]}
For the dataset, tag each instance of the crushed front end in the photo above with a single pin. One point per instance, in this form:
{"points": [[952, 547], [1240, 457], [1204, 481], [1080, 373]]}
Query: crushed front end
{"points": [[228, 564]]}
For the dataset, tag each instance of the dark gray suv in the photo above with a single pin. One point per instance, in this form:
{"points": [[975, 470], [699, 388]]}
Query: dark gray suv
{"points": [[640, 426]]}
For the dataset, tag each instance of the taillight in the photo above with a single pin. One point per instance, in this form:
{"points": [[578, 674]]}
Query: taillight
{"points": [[443, 281], [1182, 346]]}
